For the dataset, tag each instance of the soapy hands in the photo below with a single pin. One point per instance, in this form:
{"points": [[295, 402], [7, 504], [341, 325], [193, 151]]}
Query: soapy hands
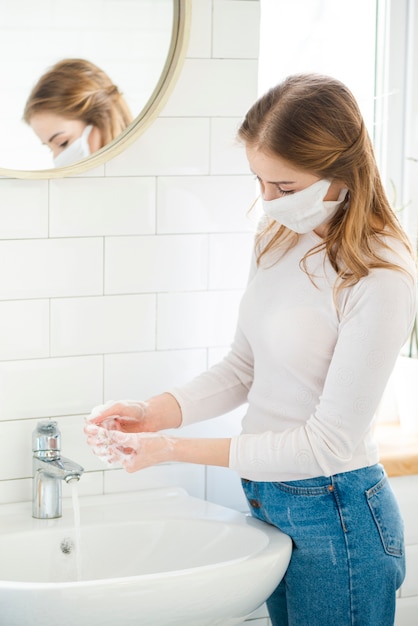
{"points": [[127, 415], [121, 434], [128, 434]]}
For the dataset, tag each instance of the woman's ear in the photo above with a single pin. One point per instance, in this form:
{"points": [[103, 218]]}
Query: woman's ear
{"points": [[334, 190], [95, 140]]}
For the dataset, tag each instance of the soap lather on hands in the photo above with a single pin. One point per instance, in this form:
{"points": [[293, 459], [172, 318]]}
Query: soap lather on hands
{"points": [[122, 434]]}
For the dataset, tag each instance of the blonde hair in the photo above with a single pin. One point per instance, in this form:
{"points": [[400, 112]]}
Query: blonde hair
{"points": [[314, 123], [79, 90]]}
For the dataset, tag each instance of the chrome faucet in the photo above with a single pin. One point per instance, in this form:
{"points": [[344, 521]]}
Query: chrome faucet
{"points": [[49, 470]]}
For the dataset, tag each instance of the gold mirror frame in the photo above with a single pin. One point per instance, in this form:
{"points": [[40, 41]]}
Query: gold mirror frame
{"points": [[165, 85]]}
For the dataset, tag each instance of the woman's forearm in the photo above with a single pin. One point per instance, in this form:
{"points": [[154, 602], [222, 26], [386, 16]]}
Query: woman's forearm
{"points": [[165, 413], [201, 451]]}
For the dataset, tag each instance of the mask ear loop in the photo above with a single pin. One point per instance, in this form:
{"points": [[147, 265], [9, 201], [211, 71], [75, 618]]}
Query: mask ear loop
{"points": [[253, 204], [85, 136]]}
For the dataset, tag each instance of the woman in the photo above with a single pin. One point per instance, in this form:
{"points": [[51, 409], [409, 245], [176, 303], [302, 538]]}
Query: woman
{"points": [[329, 304], [75, 109]]}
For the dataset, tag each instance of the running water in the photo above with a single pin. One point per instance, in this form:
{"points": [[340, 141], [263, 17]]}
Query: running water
{"points": [[77, 531]]}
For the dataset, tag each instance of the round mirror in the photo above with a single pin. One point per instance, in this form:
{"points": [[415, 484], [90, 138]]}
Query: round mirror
{"points": [[138, 44]]}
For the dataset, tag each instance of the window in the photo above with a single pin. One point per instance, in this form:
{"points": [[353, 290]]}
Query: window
{"points": [[370, 45]]}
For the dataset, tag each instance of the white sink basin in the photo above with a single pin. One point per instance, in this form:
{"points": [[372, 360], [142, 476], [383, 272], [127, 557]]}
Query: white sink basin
{"points": [[156, 557]]}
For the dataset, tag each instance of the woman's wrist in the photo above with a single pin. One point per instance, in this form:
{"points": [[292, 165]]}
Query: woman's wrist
{"points": [[200, 451], [164, 412]]}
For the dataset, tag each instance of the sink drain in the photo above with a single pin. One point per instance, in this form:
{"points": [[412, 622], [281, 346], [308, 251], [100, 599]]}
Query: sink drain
{"points": [[67, 546]]}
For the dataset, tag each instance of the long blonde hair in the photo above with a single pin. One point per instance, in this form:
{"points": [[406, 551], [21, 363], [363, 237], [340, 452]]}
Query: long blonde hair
{"points": [[314, 123], [79, 90]]}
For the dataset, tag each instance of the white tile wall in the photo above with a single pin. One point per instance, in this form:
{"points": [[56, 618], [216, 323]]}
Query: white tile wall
{"points": [[210, 204], [23, 209], [160, 263], [226, 17], [143, 374], [126, 206], [407, 605], [42, 268], [170, 146], [24, 329], [102, 324], [227, 155], [50, 387], [226, 88], [125, 281], [187, 320]]}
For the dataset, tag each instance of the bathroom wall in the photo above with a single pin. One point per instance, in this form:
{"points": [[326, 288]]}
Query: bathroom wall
{"points": [[126, 280]]}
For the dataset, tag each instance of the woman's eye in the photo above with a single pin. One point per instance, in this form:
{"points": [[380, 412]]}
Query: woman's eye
{"points": [[284, 192], [64, 144]]}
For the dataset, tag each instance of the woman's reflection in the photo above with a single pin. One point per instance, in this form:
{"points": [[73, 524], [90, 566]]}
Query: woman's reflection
{"points": [[75, 109]]}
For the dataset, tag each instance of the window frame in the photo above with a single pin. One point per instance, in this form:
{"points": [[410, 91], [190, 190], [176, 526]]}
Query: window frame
{"points": [[396, 107]]}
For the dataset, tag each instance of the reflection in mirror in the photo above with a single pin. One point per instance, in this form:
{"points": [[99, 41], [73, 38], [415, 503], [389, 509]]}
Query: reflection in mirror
{"points": [[75, 109], [129, 40]]}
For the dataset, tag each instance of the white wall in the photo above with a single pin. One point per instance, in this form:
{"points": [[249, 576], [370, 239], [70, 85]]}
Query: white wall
{"points": [[125, 281]]}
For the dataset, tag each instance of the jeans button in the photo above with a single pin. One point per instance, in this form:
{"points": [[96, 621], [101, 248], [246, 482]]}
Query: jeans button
{"points": [[255, 504]]}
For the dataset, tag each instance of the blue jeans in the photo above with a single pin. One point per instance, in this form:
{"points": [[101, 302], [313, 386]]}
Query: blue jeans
{"points": [[348, 555]]}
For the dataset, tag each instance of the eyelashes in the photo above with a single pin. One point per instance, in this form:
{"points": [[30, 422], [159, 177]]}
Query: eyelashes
{"points": [[283, 192]]}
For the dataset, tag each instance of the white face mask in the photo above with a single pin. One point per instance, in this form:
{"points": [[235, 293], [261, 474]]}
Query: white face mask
{"points": [[305, 210], [76, 151]]}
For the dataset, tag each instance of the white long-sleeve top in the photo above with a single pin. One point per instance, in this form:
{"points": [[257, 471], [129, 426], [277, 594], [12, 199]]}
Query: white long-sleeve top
{"points": [[312, 373]]}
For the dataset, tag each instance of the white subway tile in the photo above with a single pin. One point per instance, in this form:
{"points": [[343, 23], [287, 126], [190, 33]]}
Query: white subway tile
{"points": [[48, 387], [226, 88], [406, 611], [227, 155], [226, 16], [94, 172], [224, 488], [169, 147], [16, 491], [164, 263], [24, 329], [204, 204], [51, 267], [192, 320], [139, 376], [227, 425], [190, 477], [200, 41], [403, 487], [410, 585], [230, 257], [102, 324], [126, 206], [16, 455], [16, 449], [23, 209]]}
